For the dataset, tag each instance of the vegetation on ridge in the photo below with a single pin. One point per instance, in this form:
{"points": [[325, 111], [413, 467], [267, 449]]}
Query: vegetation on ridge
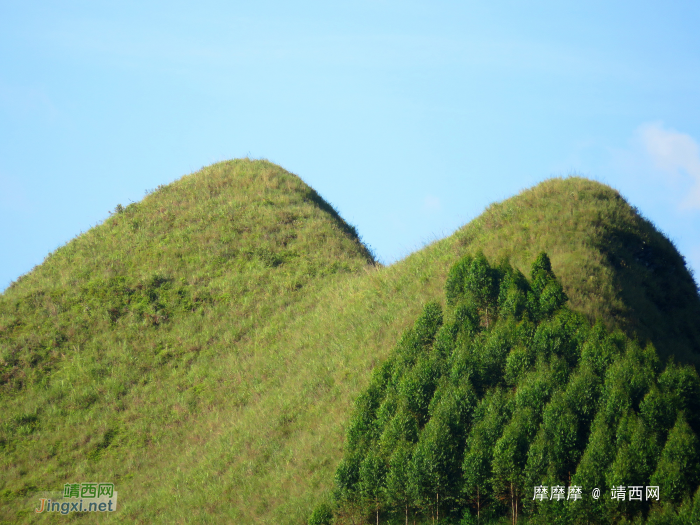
{"points": [[235, 409]]}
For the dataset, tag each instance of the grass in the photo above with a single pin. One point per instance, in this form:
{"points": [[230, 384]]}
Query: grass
{"points": [[202, 348]]}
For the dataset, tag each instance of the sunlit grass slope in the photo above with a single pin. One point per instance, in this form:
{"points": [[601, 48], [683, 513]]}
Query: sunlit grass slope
{"points": [[239, 237], [202, 348], [109, 342]]}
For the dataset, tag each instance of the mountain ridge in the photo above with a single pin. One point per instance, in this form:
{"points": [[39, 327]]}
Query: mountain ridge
{"points": [[255, 359]]}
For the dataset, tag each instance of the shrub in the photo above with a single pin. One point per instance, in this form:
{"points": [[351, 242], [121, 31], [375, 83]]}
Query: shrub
{"points": [[322, 515]]}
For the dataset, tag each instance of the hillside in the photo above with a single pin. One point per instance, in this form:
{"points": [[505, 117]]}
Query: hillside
{"points": [[205, 345]]}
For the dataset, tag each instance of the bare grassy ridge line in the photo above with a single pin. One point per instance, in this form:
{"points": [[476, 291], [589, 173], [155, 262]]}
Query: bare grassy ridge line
{"points": [[249, 427]]}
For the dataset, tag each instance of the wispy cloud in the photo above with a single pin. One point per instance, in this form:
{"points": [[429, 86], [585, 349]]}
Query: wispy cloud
{"points": [[674, 154]]}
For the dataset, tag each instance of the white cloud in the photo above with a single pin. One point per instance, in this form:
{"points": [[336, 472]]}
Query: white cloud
{"points": [[675, 154]]}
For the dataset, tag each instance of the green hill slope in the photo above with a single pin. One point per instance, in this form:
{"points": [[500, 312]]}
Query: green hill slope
{"points": [[202, 349], [108, 344]]}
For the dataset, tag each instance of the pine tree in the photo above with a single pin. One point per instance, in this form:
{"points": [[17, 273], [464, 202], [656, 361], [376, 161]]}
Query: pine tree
{"points": [[677, 470]]}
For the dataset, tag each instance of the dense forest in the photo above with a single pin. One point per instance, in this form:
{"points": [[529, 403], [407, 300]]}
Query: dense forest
{"points": [[509, 407]]}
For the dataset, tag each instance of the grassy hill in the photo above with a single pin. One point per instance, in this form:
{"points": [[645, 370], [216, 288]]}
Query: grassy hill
{"points": [[202, 349]]}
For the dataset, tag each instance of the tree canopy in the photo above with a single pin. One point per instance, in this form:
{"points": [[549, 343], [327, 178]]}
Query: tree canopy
{"points": [[509, 392]]}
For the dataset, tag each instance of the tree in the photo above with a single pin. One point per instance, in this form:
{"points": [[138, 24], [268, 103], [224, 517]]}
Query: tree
{"points": [[636, 457], [493, 351], [540, 272], [372, 477], [518, 362], [600, 349], [481, 285], [428, 324], [681, 385], [695, 513], [658, 412], [454, 404], [590, 472], [489, 418], [677, 469], [560, 426], [583, 395], [627, 381], [546, 295], [509, 457], [445, 340], [362, 429], [434, 468], [454, 286], [347, 475], [551, 298], [512, 292], [397, 489], [417, 387], [402, 428]]}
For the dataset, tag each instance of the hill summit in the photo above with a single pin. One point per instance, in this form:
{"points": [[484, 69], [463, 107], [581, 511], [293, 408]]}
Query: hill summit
{"points": [[240, 232], [613, 263], [206, 344]]}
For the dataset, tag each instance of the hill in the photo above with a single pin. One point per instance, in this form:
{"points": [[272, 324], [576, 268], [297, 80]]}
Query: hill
{"points": [[204, 347]]}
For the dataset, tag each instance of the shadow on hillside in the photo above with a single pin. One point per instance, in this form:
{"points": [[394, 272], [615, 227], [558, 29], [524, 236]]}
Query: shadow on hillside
{"points": [[652, 277]]}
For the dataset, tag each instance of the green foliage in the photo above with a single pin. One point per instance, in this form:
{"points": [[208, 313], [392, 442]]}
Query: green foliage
{"points": [[402, 428], [681, 387], [512, 294], [434, 465], [322, 515], [398, 489], [491, 415], [347, 475], [678, 468], [372, 479], [513, 390], [454, 287]]}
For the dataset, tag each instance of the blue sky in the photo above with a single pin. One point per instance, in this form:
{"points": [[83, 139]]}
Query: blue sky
{"points": [[410, 118]]}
